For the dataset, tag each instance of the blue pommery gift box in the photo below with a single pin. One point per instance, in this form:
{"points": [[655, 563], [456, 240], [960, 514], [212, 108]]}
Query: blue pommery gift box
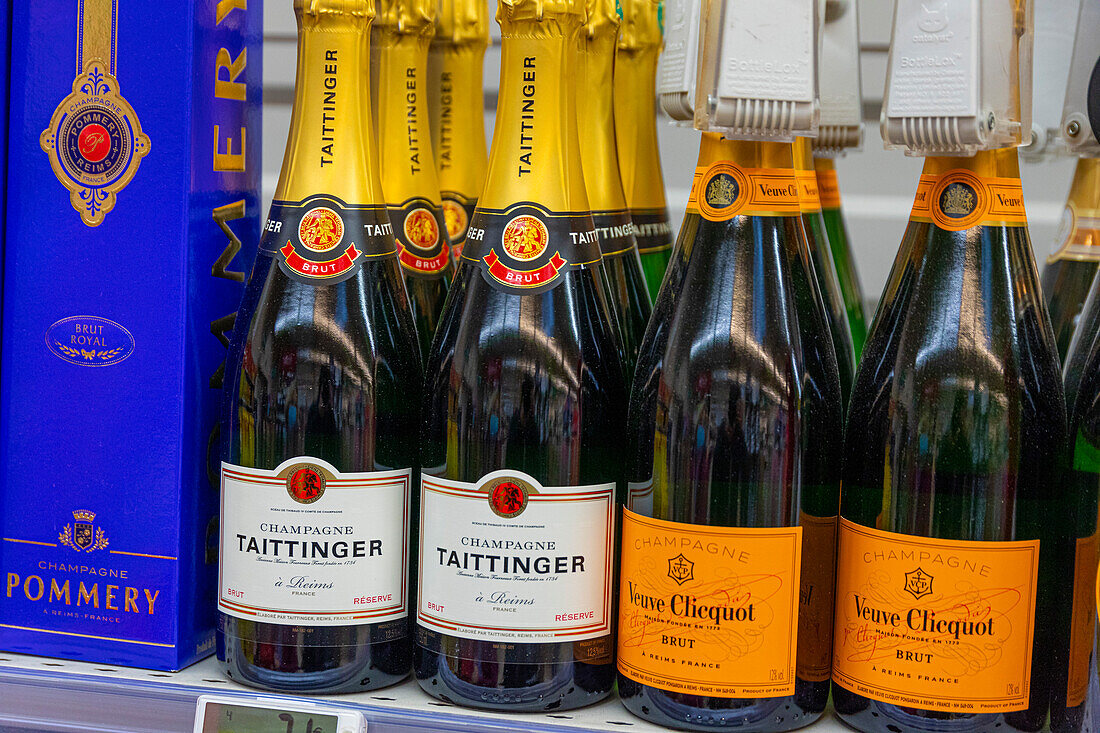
{"points": [[132, 218]]}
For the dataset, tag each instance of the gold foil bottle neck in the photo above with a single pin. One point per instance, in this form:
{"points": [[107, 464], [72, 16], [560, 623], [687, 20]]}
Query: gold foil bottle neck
{"points": [[603, 19], [999, 163], [463, 22], [413, 17], [641, 28], [539, 10], [322, 14], [803, 154]]}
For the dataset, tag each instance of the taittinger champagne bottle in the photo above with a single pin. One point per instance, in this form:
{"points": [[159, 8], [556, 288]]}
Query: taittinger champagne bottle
{"points": [[323, 389], [636, 136], [525, 386], [621, 266], [456, 103], [401, 35], [950, 574], [734, 428]]}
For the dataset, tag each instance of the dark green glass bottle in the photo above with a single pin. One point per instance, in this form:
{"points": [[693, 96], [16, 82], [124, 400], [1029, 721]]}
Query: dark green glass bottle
{"points": [[525, 393], [1080, 346], [734, 430], [840, 246], [821, 255], [952, 510], [1069, 271], [323, 386]]}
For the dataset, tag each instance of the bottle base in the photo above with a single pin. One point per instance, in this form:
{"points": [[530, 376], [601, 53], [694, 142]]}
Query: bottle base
{"points": [[872, 716], [314, 669], [696, 713], [525, 688]]}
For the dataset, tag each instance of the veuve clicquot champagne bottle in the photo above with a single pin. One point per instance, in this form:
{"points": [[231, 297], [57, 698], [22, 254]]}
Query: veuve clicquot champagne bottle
{"points": [[456, 106], [622, 268], [734, 428], [1070, 269], [949, 571], [401, 35], [518, 497], [323, 389], [839, 245], [820, 254], [635, 99]]}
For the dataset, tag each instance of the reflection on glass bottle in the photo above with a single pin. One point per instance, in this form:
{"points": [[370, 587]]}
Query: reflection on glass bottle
{"points": [[954, 442], [734, 427]]}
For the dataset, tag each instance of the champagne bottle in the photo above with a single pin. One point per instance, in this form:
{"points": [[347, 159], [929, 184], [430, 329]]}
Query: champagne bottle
{"points": [[1070, 269], [635, 96], [738, 349], [845, 264], [1070, 694], [823, 270], [400, 38], [457, 110], [621, 266], [525, 385], [1080, 346], [322, 401], [949, 565]]}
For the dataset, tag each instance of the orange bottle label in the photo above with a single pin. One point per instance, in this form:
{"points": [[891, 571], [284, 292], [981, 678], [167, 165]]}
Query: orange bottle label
{"points": [[959, 199], [935, 624], [808, 195], [829, 189], [724, 190], [815, 599], [1083, 619], [709, 610]]}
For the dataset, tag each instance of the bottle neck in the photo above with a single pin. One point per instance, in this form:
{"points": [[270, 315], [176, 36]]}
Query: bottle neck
{"points": [[808, 194], [596, 123], [458, 135], [1001, 163], [743, 178], [714, 148], [408, 166], [329, 148], [535, 154], [636, 127], [1084, 191]]}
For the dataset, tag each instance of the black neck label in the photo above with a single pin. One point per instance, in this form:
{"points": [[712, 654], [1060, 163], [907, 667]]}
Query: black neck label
{"points": [[322, 240], [527, 249], [420, 231], [615, 230], [652, 230]]}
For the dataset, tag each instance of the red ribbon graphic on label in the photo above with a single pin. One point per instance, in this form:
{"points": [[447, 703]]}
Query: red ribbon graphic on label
{"points": [[524, 278], [319, 270], [420, 264]]}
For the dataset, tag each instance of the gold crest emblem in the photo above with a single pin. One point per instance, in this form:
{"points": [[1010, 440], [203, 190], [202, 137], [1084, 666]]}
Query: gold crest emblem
{"points": [[321, 229], [82, 535], [525, 238], [958, 200], [455, 216], [721, 191], [421, 229]]}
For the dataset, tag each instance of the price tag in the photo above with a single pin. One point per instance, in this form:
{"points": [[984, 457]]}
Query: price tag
{"points": [[225, 714]]}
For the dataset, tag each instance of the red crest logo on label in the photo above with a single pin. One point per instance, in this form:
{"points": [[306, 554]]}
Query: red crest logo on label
{"points": [[94, 142], [321, 229], [508, 499], [305, 484], [525, 238], [421, 229], [455, 217]]}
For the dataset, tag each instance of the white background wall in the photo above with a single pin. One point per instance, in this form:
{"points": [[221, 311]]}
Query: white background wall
{"points": [[877, 186]]}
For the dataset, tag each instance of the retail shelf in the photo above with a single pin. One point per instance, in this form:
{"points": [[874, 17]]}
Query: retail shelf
{"points": [[39, 694]]}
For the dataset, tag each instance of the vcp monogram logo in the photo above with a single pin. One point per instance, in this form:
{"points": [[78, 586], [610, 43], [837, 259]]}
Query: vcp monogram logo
{"points": [[918, 583], [82, 535], [681, 569]]}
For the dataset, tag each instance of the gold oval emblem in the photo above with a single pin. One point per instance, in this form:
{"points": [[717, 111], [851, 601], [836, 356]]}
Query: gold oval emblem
{"points": [[525, 238]]}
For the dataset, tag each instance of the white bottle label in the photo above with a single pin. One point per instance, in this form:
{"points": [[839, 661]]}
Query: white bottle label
{"points": [[306, 544], [509, 559]]}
